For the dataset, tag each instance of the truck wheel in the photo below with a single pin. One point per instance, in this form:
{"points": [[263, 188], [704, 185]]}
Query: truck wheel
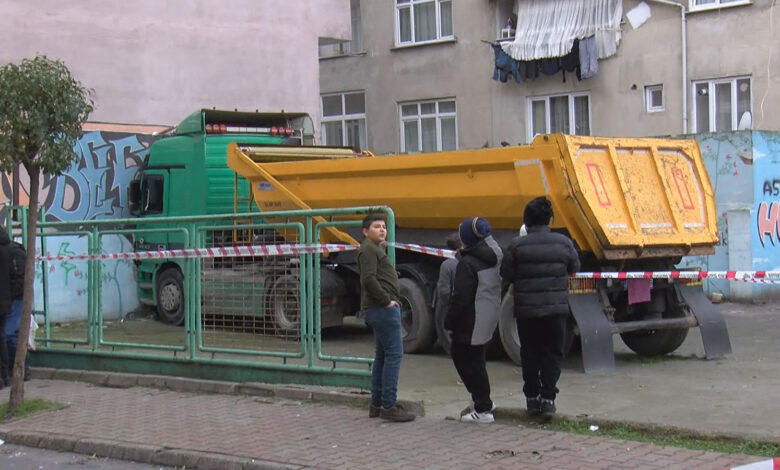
{"points": [[284, 306], [656, 342], [417, 328], [441, 333], [170, 296], [507, 328]]}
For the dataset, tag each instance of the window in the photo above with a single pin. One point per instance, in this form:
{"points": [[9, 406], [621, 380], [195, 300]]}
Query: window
{"points": [[506, 20], [344, 119], [711, 4], [569, 114], [420, 21], [654, 98], [720, 104], [428, 126], [347, 47]]}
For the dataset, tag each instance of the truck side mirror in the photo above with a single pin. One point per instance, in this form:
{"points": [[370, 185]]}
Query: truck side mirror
{"points": [[134, 197]]}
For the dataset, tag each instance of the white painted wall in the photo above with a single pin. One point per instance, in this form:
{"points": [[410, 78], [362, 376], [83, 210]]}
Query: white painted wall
{"points": [[156, 61]]}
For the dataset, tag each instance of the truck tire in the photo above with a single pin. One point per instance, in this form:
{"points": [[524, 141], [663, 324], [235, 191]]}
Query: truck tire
{"points": [[417, 322], [170, 296], [441, 333], [284, 306], [656, 342]]}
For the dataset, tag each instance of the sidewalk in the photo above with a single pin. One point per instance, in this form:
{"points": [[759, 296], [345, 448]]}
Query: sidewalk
{"points": [[273, 430]]}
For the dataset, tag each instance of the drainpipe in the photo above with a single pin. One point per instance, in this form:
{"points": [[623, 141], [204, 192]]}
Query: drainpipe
{"points": [[684, 61]]}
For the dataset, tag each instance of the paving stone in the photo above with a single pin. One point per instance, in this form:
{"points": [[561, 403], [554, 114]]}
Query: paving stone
{"points": [[226, 431]]}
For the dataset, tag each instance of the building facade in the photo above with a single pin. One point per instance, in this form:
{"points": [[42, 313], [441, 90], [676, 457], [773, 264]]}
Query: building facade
{"points": [[153, 62], [418, 74]]}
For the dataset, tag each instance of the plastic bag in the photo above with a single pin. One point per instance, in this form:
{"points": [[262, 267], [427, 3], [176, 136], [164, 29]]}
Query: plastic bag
{"points": [[31, 336]]}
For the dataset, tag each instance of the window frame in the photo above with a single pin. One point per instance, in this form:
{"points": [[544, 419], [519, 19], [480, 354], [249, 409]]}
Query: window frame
{"points": [[343, 118], [649, 89], [418, 118], [572, 116], [409, 4], [712, 102], [718, 4]]}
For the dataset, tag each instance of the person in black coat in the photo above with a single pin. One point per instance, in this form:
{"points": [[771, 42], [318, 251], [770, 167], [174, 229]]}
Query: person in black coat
{"points": [[538, 266]]}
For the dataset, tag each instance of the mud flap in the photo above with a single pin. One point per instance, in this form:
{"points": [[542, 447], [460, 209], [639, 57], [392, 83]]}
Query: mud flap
{"points": [[714, 334], [595, 332]]}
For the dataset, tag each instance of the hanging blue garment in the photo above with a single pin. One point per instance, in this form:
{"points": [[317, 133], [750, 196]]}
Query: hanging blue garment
{"points": [[504, 65]]}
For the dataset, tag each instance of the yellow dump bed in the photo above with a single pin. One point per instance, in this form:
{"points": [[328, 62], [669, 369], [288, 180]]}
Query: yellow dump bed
{"points": [[619, 198]]}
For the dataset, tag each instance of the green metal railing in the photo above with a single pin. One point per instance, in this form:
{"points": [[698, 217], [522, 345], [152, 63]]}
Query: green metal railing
{"points": [[200, 349]]}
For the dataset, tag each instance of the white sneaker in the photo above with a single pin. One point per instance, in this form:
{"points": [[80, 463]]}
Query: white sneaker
{"points": [[476, 417]]}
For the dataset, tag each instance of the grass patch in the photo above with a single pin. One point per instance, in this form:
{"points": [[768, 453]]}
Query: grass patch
{"points": [[29, 407], [668, 437]]}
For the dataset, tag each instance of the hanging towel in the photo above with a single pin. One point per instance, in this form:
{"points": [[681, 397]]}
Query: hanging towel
{"points": [[639, 290]]}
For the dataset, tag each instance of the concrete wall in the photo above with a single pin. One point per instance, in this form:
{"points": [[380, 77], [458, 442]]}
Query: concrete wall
{"points": [[721, 43], [152, 61]]}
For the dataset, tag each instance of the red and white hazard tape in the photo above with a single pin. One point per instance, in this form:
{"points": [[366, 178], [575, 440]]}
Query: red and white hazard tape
{"points": [[772, 464], [215, 252], [426, 250], [767, 277], [759, 277]]}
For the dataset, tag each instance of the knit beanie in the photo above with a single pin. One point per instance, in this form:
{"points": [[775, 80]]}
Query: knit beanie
{"points": [[538, 211], [472, 230]]}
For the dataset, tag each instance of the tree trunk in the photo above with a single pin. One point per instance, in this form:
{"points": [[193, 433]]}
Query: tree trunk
{"points": [[17, 383]]}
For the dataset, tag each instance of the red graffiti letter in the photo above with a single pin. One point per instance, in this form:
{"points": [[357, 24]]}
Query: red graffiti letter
{"points": [[768, 222]]}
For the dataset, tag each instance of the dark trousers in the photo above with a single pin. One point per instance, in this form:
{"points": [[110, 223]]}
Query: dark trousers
{"points": [[541, 353], [470, 363], [5, 366]]}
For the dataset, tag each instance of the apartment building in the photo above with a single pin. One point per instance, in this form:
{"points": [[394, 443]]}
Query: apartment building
{"points": [[418, 75], [155, 62]]}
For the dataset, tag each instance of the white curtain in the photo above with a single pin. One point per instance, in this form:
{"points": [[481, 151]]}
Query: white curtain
{"points": [[548, 28]]}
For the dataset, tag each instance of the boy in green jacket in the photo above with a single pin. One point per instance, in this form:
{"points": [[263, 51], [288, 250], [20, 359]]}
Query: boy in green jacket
{"points": [[379, 296]]}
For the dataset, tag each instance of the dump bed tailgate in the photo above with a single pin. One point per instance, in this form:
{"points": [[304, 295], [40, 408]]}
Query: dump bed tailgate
{"points": [[642, 197]]}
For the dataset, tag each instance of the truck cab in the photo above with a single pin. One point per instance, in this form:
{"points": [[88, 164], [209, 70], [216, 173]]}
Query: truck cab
{"points": [[185, 174]]}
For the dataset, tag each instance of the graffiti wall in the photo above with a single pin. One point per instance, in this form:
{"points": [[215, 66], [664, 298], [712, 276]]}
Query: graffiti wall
{"points": [[765, 216], [728, 158], [93, 188], [744, 169]]}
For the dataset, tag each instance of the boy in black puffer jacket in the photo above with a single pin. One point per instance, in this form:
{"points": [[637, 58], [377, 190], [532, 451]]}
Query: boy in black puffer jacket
{"points": [[473, 313], [538, 265]]}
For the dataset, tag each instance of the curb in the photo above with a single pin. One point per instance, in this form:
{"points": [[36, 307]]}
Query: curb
{"points": [[143, 453], [183, 384]]}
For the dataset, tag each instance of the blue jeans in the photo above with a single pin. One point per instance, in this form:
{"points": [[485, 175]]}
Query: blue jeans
{"points": [[11, 333], [388, 350]]}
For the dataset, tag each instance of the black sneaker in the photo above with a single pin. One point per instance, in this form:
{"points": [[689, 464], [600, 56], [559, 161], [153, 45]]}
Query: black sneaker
{"points": [[373, 411], [547, 408], [533, 406], [397, 413], [27, 375]]}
